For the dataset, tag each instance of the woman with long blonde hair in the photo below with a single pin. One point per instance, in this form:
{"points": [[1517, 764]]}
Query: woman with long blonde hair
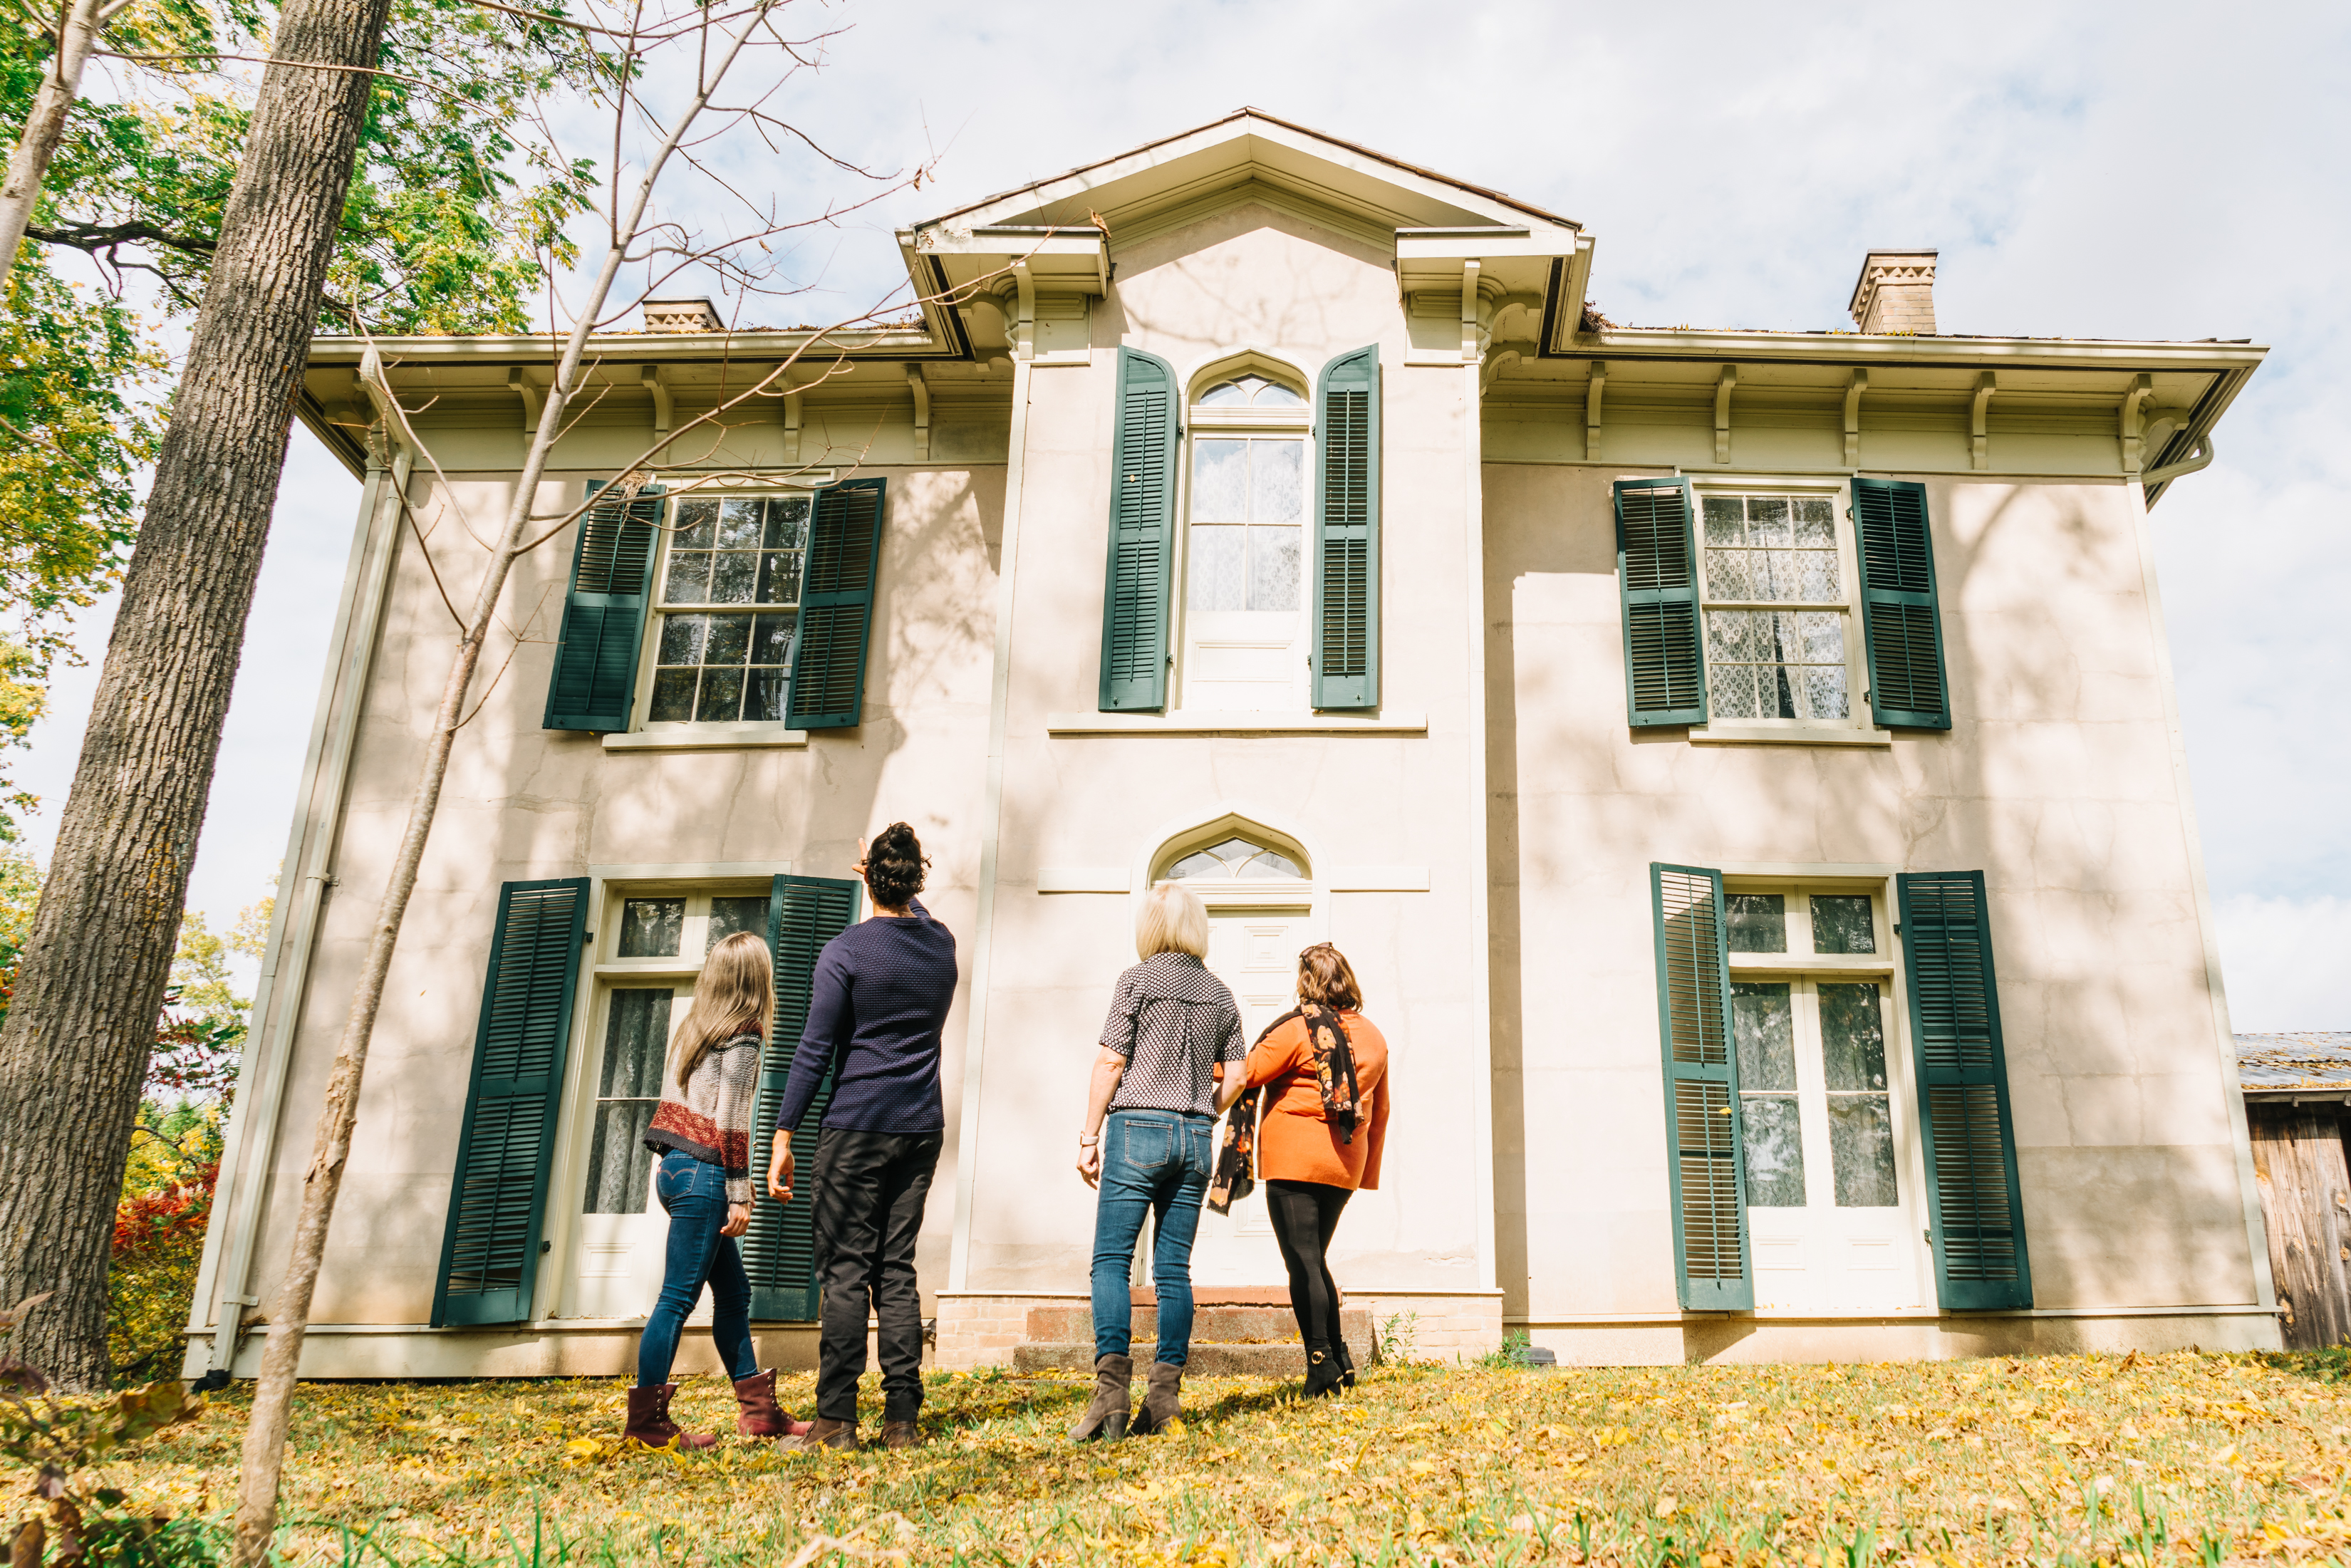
{"points": [[701, 1132]]}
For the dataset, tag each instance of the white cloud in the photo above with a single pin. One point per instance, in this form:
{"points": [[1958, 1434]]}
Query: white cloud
{"points": [[2285, 960], [2084, 172]]}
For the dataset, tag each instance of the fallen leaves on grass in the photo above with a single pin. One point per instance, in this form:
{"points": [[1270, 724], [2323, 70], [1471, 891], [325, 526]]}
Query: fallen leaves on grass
{"points": [[2135, 1462]]}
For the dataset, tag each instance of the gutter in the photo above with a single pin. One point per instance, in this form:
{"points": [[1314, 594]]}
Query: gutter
{"points": [[246, 1160], [1892, 350]]}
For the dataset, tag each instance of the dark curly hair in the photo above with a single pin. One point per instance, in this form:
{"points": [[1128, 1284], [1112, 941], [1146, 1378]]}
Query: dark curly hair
{"points": [[895, 866]]}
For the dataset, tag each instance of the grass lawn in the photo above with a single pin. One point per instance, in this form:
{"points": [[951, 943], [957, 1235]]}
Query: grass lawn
{"points": [[2092, 1459]]}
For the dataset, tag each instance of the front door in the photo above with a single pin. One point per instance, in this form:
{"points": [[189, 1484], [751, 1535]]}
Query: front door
{"points": [[622, 1226], [1254, 949], [1829, 1220]]}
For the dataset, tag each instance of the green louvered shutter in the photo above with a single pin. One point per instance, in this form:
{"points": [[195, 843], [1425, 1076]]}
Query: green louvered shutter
{"points": [[1347, 533], [595, 679], [1977, 1210], [497, 1201], [1656, 572], [1900, 619], [1142, 537], [804, 912], [1706, 1172], [844, 557]]}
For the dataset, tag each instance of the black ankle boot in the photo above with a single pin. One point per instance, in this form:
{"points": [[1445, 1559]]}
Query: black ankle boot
{"points": [[1324, 1374]]}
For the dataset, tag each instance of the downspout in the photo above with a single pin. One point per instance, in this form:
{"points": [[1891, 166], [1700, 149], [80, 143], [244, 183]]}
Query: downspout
{"points": [[1473, 566], [2200, 458], [991, 817], [221, 1293]]}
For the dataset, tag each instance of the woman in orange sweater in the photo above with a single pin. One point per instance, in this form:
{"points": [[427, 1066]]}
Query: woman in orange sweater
{"points": [[1324, 1072]]}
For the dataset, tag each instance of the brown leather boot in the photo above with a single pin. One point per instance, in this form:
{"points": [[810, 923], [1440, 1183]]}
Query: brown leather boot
{"points": [[649, 1421], [1163, 1402], [901, 1434], [758, 1415], [1106, 1417], [824, 1434]]}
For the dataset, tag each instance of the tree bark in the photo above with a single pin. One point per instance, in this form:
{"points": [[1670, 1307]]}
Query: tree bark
{"points": [[90, 985]]}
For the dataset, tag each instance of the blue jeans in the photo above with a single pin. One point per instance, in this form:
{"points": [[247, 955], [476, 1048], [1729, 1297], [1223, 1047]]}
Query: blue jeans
{"points": [[1156, 1162], [695, 1193]]}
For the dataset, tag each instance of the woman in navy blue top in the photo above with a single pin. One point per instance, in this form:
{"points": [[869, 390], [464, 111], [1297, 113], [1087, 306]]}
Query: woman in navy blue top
{"points": [[880, 999]]}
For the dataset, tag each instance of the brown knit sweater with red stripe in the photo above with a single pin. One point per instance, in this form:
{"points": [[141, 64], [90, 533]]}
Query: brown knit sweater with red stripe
{"points": [[709, 1116]]}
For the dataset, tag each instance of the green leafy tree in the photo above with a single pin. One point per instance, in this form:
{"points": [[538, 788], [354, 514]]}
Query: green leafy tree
{"points": [[452, 215]]}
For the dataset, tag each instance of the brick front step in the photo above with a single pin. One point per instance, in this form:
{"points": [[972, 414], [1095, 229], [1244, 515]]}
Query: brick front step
{"points": [[1209, 1359], [1210, 1325]]}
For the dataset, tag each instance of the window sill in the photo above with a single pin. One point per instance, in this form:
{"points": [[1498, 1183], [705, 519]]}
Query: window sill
{"points": [[1237, 723], [1772, 734], [707, 737]]}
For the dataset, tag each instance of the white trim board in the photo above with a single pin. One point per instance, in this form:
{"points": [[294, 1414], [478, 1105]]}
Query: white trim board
{"points": [[1244, 724], [1343, 879]]}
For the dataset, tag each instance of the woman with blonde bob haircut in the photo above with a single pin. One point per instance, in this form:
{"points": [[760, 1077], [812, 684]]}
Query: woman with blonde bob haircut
{"points": [[1173, 1028], [701, 1133]]}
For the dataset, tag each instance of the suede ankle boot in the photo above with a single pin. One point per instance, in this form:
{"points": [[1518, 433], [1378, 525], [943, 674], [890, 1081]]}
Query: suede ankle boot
{"points": [[1163, 1401], [1106, 1417], [824, 1434], [1346, 1364], [902, 1435], [1324, 1372], [649, 1421], [758, 1415]]}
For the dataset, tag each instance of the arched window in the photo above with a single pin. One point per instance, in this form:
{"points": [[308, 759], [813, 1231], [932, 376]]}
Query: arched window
{"points": [[1251, 391], [1246, 547], [1235, 860]]}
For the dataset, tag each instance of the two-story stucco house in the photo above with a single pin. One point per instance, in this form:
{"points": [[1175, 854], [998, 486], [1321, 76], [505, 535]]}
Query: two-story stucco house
{"points": [[1742, 766]]}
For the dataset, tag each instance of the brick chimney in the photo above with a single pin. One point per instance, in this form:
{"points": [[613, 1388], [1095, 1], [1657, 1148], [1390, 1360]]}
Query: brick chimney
{"points": [[683, 315], [1895, 293]]}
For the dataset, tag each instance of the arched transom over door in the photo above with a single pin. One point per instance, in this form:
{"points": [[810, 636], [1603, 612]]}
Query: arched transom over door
{"points": [[1263, 910]]}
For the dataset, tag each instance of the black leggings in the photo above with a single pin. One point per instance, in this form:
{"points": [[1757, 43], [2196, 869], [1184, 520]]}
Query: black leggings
{"points": [[1304, 1214]]}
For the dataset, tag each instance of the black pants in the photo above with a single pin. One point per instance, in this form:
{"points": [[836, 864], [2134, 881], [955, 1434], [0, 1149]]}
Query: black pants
{"points": [[1304, 1214], [870, 1190]]}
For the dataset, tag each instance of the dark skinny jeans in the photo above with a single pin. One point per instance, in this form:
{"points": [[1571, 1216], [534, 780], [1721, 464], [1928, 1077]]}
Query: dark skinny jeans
{"points": [[695, 1193]]}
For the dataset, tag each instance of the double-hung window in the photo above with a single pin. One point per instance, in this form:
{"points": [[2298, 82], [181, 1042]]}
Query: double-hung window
{"points": [[1788, 610], [1778, 608], [648, 959], [749, 613], [728, 611], [1245, 549]]}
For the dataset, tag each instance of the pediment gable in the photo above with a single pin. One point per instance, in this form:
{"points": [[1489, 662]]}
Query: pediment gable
{"points": [[1249, 155]]}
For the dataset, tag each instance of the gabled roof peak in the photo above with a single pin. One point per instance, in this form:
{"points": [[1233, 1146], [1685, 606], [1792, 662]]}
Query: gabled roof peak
{"points": [[1246, 146]]}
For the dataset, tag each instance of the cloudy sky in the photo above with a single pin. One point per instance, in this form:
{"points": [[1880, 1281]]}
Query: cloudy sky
{"points": [[2158, 172]]}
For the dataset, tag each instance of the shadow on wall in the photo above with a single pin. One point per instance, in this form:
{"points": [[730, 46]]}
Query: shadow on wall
{"points": [[2056, 780]]}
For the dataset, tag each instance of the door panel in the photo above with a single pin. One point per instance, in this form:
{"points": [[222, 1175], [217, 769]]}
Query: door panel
{"points": [[1831, 1219], [1255, 952]]}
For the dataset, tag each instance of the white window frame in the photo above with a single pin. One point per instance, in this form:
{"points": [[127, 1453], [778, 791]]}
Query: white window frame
{"points": [[730, 486], [1885, 966], [1214, 423], [602, 971], [1858, 727]]}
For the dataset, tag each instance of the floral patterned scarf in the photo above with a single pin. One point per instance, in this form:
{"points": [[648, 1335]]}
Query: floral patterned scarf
{"points": [[1334, 1076]]}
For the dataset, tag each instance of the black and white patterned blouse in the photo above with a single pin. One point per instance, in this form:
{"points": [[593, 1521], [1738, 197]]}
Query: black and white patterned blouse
{"points": [[1173, 1022]]}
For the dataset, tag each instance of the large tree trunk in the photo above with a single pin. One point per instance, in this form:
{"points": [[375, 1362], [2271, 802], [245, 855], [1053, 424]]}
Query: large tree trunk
{"points": [[91, 984]]}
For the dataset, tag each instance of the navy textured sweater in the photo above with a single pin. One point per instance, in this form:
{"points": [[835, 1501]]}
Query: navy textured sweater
{"points": [[881, 992]]}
